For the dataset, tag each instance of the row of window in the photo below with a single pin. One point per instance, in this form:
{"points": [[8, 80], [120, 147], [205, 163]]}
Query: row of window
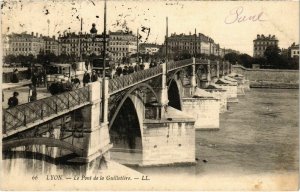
{"points": [[20, 49], [265, 43], [296, 52], [24, 44]]}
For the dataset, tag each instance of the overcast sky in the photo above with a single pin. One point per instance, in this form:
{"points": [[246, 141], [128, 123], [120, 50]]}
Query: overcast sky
{"points": [[216, 19]]}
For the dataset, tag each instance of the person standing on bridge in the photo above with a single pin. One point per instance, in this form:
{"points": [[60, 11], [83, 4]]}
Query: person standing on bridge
{"points": [[32, 95], [13, 101], [94, 76], [15, 78], [119, 70], [125, 70], [130, 69], [86, 78]]}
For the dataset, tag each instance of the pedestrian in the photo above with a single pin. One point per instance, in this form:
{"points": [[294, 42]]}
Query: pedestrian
{"points": [[130, 69], [119, 70], [34, 79], [136, 67], [75, 81], [39, 78], [15, 78], [125, 70], [32, 95], [94, 76], [86, 78], [13, 101], [142, 66]]}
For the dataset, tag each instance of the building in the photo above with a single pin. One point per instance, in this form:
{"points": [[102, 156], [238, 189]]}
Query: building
{"points": [[261, 43], [294, 51], [121, 44], [149, 48], [77, 44], [193, 44], [82, 43], [23, 44], [51, 45]]}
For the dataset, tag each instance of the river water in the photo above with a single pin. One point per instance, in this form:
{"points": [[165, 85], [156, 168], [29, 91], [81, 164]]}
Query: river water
{"points": [[258, 135]]}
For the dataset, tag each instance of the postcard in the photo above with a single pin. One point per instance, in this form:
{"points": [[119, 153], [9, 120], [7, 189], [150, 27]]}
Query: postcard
{"points": [[149, 95]]}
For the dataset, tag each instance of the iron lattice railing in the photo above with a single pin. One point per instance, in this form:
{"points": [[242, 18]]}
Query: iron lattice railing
{"points": [[126, 81], [178, 64], [201, 61], [22, 115]]}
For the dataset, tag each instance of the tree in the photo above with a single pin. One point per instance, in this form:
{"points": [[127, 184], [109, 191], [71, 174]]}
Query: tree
{"points": [[246, 60], [9, 59], [274, 59], [231, 57]]}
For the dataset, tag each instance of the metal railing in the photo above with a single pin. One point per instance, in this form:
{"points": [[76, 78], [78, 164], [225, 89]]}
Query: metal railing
{"points": [[23, 114], [125, 81], [178, 64], [201, 61]]}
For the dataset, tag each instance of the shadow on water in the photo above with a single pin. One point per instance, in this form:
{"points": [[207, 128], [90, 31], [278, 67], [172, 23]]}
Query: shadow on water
{"points": [[25, 162], [9, 155]]}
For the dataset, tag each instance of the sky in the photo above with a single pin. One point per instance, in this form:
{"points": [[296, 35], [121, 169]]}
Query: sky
{"points": [[232, 24]]}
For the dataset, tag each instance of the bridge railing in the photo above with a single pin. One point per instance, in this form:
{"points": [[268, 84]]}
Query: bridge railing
{"points": [[21, 115], [122, 82], [177, 64], [201, 61]]}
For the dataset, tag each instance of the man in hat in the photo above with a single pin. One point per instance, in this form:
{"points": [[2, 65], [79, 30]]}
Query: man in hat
{"points": [[13, 101], [86, 78], [94, 76]]}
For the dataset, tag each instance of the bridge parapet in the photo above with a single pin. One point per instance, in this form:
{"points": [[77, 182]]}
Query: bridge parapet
{"points": [[19, 116], [126, 81], [201, 61], [172, 65]]}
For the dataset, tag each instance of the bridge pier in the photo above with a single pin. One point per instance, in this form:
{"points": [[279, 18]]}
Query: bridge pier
{"points": [[95, 139], [169, 140], [204, 107]]}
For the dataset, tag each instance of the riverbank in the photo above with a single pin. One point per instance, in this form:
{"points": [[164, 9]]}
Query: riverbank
{"points": [[273, 85]]}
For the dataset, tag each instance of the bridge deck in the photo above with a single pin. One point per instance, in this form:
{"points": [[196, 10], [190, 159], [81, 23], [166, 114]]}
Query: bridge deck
{"points": [[27, 115]]}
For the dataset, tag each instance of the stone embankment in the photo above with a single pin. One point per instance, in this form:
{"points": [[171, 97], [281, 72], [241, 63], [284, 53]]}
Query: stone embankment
{"points": [[269, 78]]}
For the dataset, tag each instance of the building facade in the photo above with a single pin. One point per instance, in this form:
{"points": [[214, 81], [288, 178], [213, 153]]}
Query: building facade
{"points": [[23, 44], [85, 44], [121, 44], [294, 51], [193, 44], [261, 43], [51, 45]]}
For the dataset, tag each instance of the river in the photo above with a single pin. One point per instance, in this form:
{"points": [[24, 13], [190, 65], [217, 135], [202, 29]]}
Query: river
{"points": [[258, 135]]}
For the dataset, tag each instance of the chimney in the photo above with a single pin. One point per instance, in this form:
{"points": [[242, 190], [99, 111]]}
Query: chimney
{"points": [[41, 35], [190, 33], [258, 36], [36, 34], [53, 37], [32, 33]]}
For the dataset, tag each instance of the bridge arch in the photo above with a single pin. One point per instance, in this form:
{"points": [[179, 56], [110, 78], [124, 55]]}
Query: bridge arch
{"points": [[174, 91], [127, 95], [50, 142], [126, 124]]}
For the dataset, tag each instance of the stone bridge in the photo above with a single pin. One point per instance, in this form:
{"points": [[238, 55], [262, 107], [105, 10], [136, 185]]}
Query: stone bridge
{"points": [[146, 114]]}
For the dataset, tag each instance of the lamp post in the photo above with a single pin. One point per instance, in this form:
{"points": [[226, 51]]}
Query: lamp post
{"points": [[104, 65], [166, 40]]}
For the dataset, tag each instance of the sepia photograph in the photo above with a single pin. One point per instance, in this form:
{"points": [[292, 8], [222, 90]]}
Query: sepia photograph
{"points": [[161, 95]]}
